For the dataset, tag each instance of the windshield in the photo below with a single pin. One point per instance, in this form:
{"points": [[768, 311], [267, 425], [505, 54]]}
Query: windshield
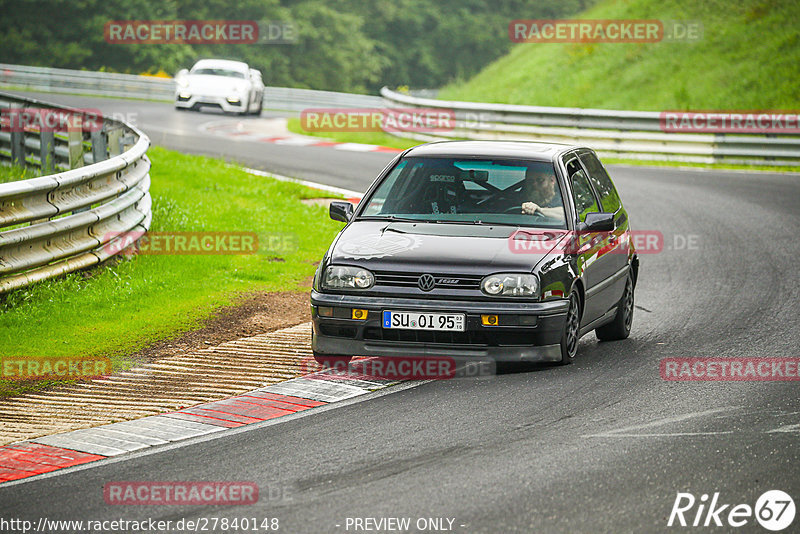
{"points": [[485, 191], [209, 71]]}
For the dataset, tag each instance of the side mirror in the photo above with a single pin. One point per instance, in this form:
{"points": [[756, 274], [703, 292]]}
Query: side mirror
{"points": [[598, 222], [182, 73], [341, 211]]}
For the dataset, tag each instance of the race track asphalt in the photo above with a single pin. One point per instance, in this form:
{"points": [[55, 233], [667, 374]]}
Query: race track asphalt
{"points": [[603, 445]]}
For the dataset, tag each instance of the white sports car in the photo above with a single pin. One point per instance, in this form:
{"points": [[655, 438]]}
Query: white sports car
{"points": [[229, 85]]}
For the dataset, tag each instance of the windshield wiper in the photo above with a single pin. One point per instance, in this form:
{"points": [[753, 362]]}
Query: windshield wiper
{"points": [[459, 222], [393, 218]]}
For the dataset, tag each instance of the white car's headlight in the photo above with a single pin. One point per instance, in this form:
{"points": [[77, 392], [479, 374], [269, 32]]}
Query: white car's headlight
{"points": [[510, 285], [344, 277]]}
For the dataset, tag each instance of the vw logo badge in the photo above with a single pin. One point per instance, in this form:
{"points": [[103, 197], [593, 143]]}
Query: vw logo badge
{"points": [[426, 282]]}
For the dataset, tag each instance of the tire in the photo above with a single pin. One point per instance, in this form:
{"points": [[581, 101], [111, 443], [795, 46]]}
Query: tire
{"points": [[338, 363], [257, 112], [620, 327], [572, 326]]}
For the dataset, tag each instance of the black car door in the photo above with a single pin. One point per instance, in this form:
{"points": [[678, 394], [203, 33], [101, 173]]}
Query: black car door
{"points": [[593, 265], [615, 250]]}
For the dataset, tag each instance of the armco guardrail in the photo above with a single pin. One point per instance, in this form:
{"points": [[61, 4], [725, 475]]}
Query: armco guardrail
{"points": [[626, 134], [148, 87], [86, 82], [62, 222]]}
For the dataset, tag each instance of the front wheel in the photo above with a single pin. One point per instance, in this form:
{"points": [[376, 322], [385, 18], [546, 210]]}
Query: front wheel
{"points": [[620, 327], [259, 107], [569, 339]]}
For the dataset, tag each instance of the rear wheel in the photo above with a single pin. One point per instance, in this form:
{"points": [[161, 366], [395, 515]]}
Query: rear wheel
{"points": [[569, 339], [620, 327], [337, 362]]}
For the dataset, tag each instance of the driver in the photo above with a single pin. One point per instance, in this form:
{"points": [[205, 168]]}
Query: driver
{"points": [[540, 187]]}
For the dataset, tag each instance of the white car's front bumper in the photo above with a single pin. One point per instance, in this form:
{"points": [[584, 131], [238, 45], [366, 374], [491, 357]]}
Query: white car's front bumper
{"points": [[228, 104]]}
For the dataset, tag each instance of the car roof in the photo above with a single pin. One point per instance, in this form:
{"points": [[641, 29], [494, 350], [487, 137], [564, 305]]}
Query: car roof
{"points": [[221, 64], [515, 149]]}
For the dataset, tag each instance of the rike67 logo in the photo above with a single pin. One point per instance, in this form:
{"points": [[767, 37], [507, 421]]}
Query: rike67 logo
{"points": [[774, 510]]}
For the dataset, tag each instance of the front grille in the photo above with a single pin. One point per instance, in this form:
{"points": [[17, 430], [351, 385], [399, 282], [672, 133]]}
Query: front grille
{"points": [[443, 281], [470, 337], [424, 336], [338, 331]]}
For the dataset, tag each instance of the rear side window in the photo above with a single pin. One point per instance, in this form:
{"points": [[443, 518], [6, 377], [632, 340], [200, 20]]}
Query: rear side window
{"points": [[582, 194], [601, 182]]}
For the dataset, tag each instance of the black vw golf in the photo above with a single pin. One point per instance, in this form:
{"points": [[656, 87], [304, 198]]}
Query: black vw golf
{"points": [[508, 251]]}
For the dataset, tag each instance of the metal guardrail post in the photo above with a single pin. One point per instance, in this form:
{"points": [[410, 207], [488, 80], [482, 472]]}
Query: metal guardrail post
{"points": [[99, 148], [47, 151], [114, 141], [75, 144], [17, 137]]}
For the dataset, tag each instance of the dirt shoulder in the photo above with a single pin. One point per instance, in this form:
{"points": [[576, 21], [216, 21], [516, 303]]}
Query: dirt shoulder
{"points": [[255, 313]]}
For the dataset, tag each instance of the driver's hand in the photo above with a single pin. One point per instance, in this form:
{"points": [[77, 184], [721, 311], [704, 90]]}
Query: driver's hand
{"points": [[529, 208]]}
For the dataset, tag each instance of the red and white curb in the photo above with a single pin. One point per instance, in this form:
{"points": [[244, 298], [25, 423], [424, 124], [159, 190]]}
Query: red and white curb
{"points": [[58, 451], [238, 131]]}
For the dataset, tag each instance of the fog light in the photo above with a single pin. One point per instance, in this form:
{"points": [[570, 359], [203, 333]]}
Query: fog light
{"points": [[359, 314], [325, 311], [489, 320]]}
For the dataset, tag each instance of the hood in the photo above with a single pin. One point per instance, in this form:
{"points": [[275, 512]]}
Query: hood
{"points": [[439, 248]]}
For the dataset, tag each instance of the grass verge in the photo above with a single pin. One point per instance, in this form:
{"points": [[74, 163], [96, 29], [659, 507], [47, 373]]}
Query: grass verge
{"points": [[12, 173], [746, 60], [716, 166], [115, 310]]}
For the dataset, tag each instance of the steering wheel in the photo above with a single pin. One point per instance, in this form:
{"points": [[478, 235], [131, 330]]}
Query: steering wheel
{"points": [[518, 210]]}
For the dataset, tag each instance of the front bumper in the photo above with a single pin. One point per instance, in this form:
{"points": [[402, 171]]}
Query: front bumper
{"points": [[539, 342], [190, 101]]}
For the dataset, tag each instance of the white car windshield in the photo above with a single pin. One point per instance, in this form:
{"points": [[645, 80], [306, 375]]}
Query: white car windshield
{"points": [[211, 71]]}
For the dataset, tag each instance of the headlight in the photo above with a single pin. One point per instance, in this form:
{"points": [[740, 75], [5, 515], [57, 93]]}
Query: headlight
{"points": [[340, 277], [510, 285]]}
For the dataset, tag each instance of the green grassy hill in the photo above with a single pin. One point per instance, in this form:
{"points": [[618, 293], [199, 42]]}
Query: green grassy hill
{"points": [[748, 59]]}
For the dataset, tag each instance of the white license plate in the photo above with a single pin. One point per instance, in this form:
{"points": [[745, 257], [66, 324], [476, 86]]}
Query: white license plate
{"points": [[424, 321]]}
